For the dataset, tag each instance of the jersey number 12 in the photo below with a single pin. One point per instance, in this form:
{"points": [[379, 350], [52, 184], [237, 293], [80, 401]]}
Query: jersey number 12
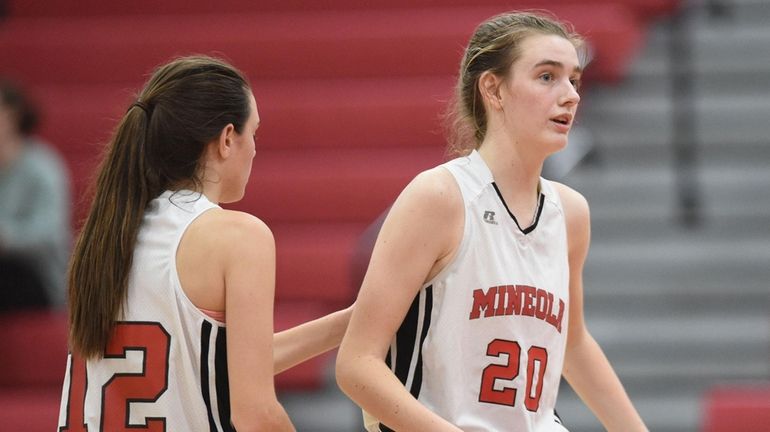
{"points": [[118, 392]]}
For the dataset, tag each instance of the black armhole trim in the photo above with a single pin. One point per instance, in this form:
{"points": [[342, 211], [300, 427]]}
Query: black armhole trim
{"points": [[205, 346], [408, 333], [222, 382]]}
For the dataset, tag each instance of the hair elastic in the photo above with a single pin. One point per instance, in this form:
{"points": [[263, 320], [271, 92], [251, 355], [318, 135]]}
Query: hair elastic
{"points": [[141, 105]]}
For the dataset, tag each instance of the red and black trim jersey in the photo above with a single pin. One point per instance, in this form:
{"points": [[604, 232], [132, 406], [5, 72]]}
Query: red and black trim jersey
{"points": [[165, 367], [483, 342]]}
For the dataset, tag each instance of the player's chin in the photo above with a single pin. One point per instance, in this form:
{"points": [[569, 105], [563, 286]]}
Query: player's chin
{"points": [[556, 144]]}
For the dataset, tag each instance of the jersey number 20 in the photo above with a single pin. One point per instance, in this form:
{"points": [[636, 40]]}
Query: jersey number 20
{"points": [[118, 392], [537, 361]]}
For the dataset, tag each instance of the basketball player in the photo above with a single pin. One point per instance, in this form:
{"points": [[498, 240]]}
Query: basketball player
{"points": [[472, 306], [159, 263]]}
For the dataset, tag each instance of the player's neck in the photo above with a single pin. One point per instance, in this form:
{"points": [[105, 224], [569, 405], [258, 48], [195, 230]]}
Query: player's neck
{"points": [[516, 172]]}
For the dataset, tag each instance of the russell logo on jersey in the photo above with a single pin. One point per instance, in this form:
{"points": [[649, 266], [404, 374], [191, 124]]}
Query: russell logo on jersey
{"points": [[489, 217]]}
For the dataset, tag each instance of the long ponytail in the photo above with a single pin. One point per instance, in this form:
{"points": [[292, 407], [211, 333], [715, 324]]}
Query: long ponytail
{"points": [[157, 145]]}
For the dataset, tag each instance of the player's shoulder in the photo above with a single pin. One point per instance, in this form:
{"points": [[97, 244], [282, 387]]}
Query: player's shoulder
{"points": [[429, 208], [577, 219], [575, 205], [233, 227], [434, 189]]}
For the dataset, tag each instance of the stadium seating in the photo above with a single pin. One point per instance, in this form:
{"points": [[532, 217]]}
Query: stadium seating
{"points": [[286, 45], [350, 93], [738, 408], [37, 8], [31, 369]]}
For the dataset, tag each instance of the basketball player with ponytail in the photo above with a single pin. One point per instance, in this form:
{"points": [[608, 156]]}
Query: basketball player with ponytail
{"points": [[171, 296], [471, 309]]}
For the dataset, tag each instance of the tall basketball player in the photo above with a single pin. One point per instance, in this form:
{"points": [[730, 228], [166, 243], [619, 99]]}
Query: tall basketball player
{"points": [[171, 296], [472, 306]]}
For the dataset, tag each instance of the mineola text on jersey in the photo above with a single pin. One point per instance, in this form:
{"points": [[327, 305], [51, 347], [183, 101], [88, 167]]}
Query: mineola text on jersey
{"points": [[523, 300]]}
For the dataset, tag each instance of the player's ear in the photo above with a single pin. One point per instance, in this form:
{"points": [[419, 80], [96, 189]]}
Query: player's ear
{"points": [[224, 141], [489, 88]]}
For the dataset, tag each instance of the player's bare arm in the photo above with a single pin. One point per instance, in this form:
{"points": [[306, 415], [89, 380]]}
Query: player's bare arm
{"points": [[249, 278], [417, 239], [300, 343], [586, 368]]}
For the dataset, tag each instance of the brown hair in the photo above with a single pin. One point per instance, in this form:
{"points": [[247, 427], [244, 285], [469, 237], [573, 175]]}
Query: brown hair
{"points": [[157, 145], [494, 46]]}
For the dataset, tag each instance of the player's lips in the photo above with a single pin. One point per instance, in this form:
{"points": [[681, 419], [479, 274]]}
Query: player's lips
{"points": [[565, 119], [562, 122]]}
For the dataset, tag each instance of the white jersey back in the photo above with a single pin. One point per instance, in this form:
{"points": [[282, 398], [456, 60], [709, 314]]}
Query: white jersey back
{"points": [[483, 343], [165, 367]]}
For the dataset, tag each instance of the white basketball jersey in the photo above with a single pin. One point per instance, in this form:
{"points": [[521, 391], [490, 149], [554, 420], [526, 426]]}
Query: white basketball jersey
{"points": [[165, 368], [483, 343]]}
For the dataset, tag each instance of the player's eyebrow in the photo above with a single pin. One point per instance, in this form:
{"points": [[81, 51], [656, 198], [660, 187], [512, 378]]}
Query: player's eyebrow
{"points": [[556, 64]]}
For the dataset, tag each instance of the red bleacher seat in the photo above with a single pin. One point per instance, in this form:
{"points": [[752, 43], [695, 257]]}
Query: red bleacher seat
{"points": [[39, 8], [32, 369], [306, 175], [34, 349], [413, 51], [312, 263], [333, 185], [360, 44], [30, 409], [305, 113], [731, 408]]}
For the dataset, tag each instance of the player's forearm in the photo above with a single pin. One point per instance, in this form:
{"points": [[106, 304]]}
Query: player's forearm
{"points": [[300, 343], [372, 386], [598, 386], [269, 417]]}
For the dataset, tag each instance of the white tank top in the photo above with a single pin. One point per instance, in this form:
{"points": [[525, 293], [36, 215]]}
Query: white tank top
{"points": [[166, 363], [483, 342]]}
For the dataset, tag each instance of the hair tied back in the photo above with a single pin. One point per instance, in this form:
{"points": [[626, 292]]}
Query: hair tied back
{"points": [[142, 106]]}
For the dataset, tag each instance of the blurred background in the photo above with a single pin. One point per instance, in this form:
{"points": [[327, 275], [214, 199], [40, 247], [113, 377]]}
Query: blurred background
{"points": [[671, 149]]}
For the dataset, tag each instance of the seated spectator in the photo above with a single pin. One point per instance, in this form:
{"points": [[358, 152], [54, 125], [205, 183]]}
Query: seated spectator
{"points": [[35, 209]]}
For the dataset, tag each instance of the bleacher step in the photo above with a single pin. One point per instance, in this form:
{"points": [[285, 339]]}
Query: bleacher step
{"points": [[297, 44], [306, 113], [662, 412], [41, 8], [648, 120]]}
